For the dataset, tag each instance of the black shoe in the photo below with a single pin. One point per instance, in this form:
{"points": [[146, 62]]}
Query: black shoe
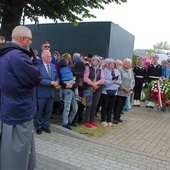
{"points": [[72, 124], [46, 129], [120, 120], [39, 131], [67, 127], [122, 113], [80, 122], [115, 122]]}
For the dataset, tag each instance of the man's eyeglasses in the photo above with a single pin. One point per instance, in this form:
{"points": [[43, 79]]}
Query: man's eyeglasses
{"points": [[47, 46], [28, 38]]}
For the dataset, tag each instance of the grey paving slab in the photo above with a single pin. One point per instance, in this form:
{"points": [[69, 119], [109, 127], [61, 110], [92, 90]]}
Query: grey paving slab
{"points": [[48, 163], [60, 151], [143, 130], [142, 142]]}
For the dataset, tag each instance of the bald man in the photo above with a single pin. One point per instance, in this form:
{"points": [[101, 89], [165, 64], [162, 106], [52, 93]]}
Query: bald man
{"points": [[18, 79]]}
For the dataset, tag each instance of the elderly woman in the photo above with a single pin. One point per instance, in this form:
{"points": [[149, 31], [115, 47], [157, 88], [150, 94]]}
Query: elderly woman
{"points": [[124, 90], [93, 78], [112, 82], [119, 63]]}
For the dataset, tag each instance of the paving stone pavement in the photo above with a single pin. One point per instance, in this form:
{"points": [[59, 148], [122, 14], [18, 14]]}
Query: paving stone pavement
{"points": [[143, 142], [144, 130]]}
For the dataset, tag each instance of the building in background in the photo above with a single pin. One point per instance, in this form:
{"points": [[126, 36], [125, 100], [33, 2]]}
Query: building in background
{"points": [[141, 52], [102, 38]]}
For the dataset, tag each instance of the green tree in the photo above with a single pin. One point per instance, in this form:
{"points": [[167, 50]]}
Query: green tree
{"points": [[134, 60], [160, 45], [12, 12], [150, 51]]}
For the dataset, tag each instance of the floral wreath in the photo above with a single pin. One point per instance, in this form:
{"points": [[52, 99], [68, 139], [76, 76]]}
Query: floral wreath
{"points": [[152, 91]]}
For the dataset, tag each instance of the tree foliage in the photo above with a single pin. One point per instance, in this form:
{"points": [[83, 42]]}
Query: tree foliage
{"points": [[134, 60], [12, 12], [160, 45]]}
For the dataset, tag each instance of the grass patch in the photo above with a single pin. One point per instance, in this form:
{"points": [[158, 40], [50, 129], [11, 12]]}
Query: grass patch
{"points": [[93, 132]]}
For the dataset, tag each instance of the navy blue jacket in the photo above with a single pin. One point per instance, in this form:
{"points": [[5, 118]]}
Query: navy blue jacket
{"points": [[45, 89], [18, 78]]}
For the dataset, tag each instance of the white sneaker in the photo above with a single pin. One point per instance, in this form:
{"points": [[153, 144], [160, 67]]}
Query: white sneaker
{"points": [[110, 124], [104, 124], [135, 102], [148, 104], [138, 102], [152, 105]]}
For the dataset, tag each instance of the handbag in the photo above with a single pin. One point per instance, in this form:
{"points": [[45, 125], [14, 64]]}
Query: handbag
{"points": [[111, 92], [87, 97]]}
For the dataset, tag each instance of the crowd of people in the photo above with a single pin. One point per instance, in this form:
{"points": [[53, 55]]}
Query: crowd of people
{"points": [[90, 82], [29, 82]]}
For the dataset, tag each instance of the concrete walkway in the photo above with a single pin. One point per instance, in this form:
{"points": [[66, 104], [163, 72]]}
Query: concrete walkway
{"points": [[144, 130], [143, 142]]}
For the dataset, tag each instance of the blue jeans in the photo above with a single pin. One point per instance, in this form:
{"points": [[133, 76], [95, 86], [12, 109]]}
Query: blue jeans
{"points": [[128, 104], [70, 104]]}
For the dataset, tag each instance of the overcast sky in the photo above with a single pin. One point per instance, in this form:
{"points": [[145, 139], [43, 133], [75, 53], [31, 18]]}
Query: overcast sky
{"points": [[147, 20]]}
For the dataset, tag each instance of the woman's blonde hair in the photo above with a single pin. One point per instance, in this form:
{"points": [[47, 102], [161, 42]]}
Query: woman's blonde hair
{"points": [[66, 56], [118, 63]]}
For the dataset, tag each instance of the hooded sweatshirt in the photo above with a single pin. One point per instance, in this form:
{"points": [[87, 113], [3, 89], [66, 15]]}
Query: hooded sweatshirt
{"points": [[94, 73], [109, 83]]}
